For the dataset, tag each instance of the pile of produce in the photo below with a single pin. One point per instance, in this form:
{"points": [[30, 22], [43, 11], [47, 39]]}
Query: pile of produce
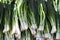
{"points": [[29, 19]]}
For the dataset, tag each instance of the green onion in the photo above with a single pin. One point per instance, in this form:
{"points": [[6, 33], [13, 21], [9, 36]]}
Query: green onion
{"points": [[7, 20], [15, 26], [42, 17], [32, 18], [22, 12], [33, 25], [51, 17], [46, 29]]}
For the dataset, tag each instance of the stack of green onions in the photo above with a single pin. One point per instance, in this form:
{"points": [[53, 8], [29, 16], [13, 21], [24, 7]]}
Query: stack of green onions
{"points": [[41, 11]]}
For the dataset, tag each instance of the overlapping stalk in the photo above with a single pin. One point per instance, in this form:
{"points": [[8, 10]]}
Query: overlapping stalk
{"points": [[7, 26], [41, 11]]}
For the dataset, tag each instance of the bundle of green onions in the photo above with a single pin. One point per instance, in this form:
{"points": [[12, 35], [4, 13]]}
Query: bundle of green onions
{"points": [[33, 25], [15, 26], [7, 19], [42, 17], [32, 21], [41, 11], [22, 12]]}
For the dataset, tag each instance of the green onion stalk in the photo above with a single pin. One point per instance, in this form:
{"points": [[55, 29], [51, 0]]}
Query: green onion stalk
{"points": [[51, 17], [46, 30], [27, 32], [6, 24], [58, 23], [7, 20], [15, 27], [33, 25], [22, 13], [42, 17], [1, 21]]}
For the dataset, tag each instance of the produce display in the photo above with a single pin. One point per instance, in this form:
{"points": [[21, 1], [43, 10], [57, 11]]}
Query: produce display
{"points": [[29, 19]]}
